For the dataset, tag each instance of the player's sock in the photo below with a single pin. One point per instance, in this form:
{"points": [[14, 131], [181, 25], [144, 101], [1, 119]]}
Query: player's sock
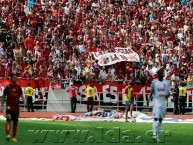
{"points": [[158, 128], [155, 124], [14, 130], [158, 140], [7, 128]]}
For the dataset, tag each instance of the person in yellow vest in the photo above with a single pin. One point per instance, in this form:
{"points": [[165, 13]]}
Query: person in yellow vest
{"points": [[128, 101], [90, 97], [30, 69], [142, 76], [29, 93], [190, 79], [182, 98], [87, 72]]}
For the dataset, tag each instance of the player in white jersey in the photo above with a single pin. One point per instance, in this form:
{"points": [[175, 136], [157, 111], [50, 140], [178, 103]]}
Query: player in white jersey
{"points": [[160, 91]]}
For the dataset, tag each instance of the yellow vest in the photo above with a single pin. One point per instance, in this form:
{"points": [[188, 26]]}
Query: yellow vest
{"points": [[141, 74], [182, 91], [89, 92], [190, 81], [30, 70], [128, 95], [29, 91], [87, 71]]}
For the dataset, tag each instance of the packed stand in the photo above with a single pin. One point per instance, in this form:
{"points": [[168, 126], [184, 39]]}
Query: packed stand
{"points": [[54, 39]]}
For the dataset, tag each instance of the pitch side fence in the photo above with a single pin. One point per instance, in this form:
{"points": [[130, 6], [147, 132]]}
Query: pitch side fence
{"points": [[59, 101]]}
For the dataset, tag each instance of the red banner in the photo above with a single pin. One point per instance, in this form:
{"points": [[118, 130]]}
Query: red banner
{"points": [[108, 87], [36, 84], [39, 86], [112, 87]]}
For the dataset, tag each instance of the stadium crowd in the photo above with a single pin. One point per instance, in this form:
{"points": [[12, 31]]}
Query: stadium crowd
{"points": [[54, 38]]}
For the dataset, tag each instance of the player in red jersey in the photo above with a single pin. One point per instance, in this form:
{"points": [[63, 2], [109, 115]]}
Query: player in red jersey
{"points": [[12, 93]]}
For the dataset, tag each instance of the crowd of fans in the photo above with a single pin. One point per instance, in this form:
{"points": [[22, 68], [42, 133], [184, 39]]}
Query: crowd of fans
{"points": [[54, 38]]}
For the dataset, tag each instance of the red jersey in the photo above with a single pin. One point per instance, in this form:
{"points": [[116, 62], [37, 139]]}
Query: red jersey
{"points": [[72, 91], [13, 93], [29, 43]]}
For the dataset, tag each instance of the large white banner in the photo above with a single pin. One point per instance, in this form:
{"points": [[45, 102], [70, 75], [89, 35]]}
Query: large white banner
{"points": [[115, 55]]}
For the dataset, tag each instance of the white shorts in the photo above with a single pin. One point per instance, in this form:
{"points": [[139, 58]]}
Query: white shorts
{"points": [[159, 111]]}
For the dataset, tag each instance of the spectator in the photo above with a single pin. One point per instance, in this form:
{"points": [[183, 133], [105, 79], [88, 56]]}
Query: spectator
{"points": [[175, 78], [96, 69], [63, 32], [2, 71], [113, 71], [109, 76], [2, 53], [190, 79], [29, 42], [26, 74], [142, 76], [154, 69], [87, 72], [165, 57], [102, 74], [183, 73]]}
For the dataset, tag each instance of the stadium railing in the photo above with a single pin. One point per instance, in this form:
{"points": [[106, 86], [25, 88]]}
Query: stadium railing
{"points": [[61, 102]]}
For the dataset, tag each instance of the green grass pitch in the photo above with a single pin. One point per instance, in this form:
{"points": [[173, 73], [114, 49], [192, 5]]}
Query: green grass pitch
{"points": [[92, 133]]}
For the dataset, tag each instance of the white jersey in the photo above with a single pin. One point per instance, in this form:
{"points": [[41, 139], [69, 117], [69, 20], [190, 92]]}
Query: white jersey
{"points": [[161, 89]]}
